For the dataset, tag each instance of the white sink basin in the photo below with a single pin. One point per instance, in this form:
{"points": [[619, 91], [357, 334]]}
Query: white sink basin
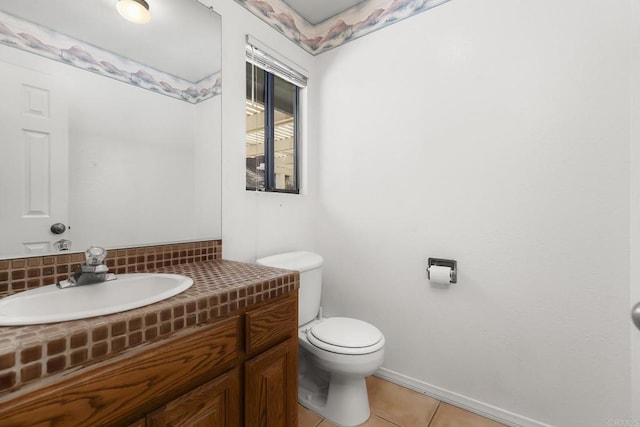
{"points": [[50, 304]]}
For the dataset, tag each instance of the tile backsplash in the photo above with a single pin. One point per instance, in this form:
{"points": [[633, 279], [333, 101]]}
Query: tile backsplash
{"points": [[21, 274]]}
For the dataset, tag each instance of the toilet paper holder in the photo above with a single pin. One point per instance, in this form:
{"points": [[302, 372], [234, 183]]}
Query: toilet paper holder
{"points": [[451, 263]]}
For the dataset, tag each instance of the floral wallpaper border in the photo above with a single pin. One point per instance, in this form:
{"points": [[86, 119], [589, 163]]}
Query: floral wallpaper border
{"points": [[33, 38], [358, 21]]}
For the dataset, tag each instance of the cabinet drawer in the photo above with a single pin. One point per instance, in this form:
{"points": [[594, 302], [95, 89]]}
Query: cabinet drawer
{"points": [[271, 324]]}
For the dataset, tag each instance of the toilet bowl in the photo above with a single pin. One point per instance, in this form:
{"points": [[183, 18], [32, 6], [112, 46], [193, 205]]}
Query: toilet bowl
{"points": [[341, 396], [336, 353]]}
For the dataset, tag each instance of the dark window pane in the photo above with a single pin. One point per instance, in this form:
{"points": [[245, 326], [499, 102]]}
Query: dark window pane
{"points": [[271, 106], [285, 101]]}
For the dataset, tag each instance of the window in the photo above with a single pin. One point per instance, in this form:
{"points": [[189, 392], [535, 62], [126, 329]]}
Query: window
{"points": [[272, 103]]}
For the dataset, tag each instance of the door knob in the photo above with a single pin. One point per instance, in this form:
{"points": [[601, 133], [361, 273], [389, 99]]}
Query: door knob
{"points": [[635, 315], [58, 228]]}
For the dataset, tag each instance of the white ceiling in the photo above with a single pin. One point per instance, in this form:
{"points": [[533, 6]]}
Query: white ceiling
{"points": [[316, 11], [182, 39]]}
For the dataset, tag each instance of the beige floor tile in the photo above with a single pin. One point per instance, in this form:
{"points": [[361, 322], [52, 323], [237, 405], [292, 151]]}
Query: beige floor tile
{"points": [[451, 416], [376, 421], [373, 421], [307, 418], [400, 405]]}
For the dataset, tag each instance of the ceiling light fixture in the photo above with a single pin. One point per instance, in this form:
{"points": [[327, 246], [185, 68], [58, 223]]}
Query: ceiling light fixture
{"points": [[136, 11]]}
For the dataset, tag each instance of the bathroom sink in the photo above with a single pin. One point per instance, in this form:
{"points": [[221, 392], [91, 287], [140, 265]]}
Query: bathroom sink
{"points": [[49, 304]]}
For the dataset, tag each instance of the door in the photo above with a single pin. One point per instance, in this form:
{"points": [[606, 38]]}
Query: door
{"points": [[34, 154], [271, 387], [635, 332], [214, 404]]}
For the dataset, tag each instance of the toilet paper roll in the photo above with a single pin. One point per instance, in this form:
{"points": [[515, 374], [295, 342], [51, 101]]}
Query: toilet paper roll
{"points": [[439, 274]]}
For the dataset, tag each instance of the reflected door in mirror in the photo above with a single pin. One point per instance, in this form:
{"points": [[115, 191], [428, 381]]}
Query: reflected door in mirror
{"points": [[34, 152]]}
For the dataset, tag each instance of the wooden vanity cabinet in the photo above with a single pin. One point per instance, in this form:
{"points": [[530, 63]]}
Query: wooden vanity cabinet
{"points": [[270, 379], [236, 371]]}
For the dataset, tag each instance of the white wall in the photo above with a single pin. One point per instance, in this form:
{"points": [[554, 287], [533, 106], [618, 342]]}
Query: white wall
{"points": [[131, 164], [495, 133], [257, 224], [207, 169]]}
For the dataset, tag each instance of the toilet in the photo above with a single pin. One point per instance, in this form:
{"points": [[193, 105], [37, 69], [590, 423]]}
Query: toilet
{"points": [[335, 353]]}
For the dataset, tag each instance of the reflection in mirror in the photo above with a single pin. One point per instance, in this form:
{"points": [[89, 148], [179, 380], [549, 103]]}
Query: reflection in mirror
{"points": [[107, 127]]}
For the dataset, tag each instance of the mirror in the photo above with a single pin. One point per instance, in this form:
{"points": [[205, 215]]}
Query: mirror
{"points": [[109, 128]]}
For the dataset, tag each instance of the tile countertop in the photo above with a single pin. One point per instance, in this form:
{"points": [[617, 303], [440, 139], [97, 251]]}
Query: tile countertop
{"points": [[31, 353]]}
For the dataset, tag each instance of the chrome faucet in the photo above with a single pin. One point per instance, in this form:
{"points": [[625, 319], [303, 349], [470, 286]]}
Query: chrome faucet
{"points": [[92, 271]]}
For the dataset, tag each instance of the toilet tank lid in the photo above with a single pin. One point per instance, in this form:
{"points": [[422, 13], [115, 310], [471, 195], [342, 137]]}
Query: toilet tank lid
{"points": [[299, 261]]}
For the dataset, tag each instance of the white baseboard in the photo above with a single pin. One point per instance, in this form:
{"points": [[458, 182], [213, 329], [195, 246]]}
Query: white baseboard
{"points": [[471, 405]]}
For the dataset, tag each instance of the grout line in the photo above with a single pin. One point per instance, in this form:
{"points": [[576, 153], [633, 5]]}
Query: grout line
{"points": [[434, 413], [383, 418]]}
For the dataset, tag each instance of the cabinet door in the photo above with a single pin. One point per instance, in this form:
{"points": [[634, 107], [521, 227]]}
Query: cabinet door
{"points": [[271, 387], [214, 404]]}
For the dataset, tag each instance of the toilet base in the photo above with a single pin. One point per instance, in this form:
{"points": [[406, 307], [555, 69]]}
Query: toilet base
{"points": [[343, 401]]}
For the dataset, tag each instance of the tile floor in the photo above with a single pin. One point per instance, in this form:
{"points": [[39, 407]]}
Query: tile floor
{"points": [[395, 406]]}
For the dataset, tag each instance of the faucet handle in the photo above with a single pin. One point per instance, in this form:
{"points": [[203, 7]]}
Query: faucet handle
{"points": [[95, 255]]}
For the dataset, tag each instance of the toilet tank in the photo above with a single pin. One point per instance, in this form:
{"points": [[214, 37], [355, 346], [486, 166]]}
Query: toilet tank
{"points": [[309, 265]]}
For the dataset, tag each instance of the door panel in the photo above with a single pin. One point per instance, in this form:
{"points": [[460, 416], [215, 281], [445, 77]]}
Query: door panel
{"points": [[214, 404], [271, 386]]}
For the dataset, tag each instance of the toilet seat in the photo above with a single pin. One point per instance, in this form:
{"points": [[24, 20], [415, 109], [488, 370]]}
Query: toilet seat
{"points": [[344, 335]]}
